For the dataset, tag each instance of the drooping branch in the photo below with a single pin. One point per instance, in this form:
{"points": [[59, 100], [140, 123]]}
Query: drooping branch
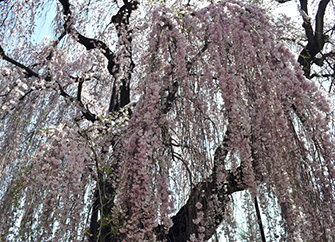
{"points": [[172, 91]]}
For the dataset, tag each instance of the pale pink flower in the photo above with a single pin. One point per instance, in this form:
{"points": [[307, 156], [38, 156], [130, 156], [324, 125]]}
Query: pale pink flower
{"points": [[198, 205]]}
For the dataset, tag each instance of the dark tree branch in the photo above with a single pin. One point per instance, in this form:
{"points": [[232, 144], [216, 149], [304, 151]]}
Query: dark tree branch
{"points": [[80, 89], [120, 97], [324, 57], [89, 43], [55, 44], [316, 40], [303, 6], [319, 35], [93, 44], [29, 72], [94, 217], [323, 75], [307, 21], [4, 20], [121, 18], [171, 97], [84, 110], [66, 7], [203, 192], [112, 101], [282, 1]]}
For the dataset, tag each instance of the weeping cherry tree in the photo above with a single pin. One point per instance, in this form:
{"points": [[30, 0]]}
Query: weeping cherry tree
{"points": [[141, 121]]}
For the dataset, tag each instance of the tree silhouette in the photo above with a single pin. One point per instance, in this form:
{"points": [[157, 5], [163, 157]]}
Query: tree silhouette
{"points": [[142, 127]]}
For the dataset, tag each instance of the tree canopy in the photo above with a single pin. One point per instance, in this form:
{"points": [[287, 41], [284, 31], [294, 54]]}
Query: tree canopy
{"points": [[138, 121]]}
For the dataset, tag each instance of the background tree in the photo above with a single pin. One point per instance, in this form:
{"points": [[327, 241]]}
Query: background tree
{"points": [[140, 120]]}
